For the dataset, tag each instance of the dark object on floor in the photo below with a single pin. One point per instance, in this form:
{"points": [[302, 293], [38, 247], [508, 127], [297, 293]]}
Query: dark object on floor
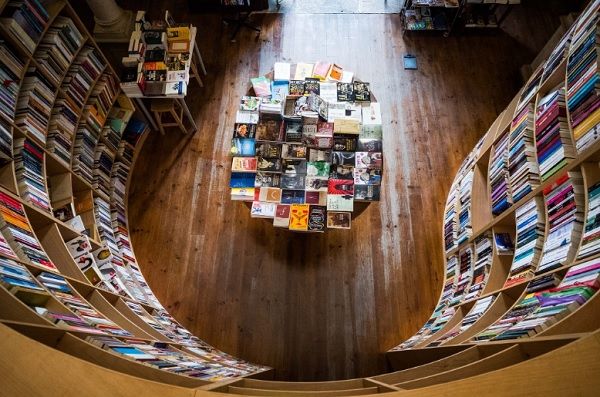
{"points": [[410, 62]]}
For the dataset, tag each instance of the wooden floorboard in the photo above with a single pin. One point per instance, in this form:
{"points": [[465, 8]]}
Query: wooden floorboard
{"points": [[320, 307]]}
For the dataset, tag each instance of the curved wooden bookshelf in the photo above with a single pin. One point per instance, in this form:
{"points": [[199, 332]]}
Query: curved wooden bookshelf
{"points": [[68, 328]]}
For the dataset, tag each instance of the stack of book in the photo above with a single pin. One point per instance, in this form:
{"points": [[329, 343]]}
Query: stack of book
{"points": [[531, 88], [62, 291], [59, 46], [83, 73], [61, 129], [565, 205], [18, 232], [103, 162], [104, 225], [478, 310], [557, 56], [130, 286], [583, 100], [29, 170], [465, 275], [531, 225], [164, 357], [159, 58], [552, 134], [140, 281], [66, 320], [580, 283], [498, 174], [6, 142], [450, 223], [483, 264], [120, 173], [34, 106], [11, 71], [210, 353], [99, 104], [146, 317], [25, 21], [590, 242], [306, 148], [17, 280], [464, 217], [83, 152], [522, 165]]}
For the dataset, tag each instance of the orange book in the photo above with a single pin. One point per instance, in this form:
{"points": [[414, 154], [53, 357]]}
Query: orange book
{"points": [[299, 217]]}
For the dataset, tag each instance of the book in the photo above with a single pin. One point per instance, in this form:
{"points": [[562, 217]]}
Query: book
{"points": [[262, 210], [299, 214], [243, 147], [296, 87], [282, 216], [261, 86], [321, 70], [339, 220], [244, 164], [345, 92], [270, 194], [362, 91], [339, 202], [281, 71], [317, 218], [303, 70]]}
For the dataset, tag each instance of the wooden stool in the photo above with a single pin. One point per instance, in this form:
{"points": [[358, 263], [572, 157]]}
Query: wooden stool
{"points": [[172, 107]]}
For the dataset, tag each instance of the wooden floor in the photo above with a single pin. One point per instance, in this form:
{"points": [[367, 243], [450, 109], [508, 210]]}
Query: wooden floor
{"points": [[320, 307]]}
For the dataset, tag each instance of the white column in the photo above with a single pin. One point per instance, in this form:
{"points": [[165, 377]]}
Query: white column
{"points": [[113, 24]]}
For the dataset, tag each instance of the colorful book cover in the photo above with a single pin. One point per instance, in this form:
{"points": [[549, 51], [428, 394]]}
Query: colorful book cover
{"points": [[269, 165], [262, 210], [244, 130], [293, 151], [243, 147], [269, 128], [311, 86], [340, 187], [316, 183], [344, 144], [280, 90], [78, 246], [296, 87], [367, 176], [316, 198], [345, 92], [270, 195], [292, 196], [243, 164], [317, 168], [369, 159], [242, 180], [242, 194], [362, 91], [317, 218], [282, 216], [299, 217], [267, 179], [268, 150], [367, 193], [335, 73], [261, 86], [339, 220], [321, 70], [249, 103]]}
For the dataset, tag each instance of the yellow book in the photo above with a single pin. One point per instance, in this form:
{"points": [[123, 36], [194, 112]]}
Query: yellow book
{"points": [[179, 33], [587, 124], [346, 126], [299, 217]]}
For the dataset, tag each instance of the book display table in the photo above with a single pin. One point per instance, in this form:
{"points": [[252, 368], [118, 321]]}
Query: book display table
{"points": [[162, 57], [306, 145]]}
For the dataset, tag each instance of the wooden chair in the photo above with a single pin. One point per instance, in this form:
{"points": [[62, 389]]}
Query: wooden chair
{"points": [[174, 109]]}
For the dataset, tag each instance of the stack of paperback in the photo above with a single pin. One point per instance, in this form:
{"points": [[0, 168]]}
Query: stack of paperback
{"points": [[61, 129], [80, 79], [140, 281], [583, 100], [104, 225], [210, 353], [83, 152], [25, 21], [130, 287], [465, 275], [522, 165], [531, 225], [35, 104], [474, 314], [16, 229], [501, 198], [11, 70], [58, 48], [5, 249], [531, 88], [580, 283], [464, 217], [5, 142], [590, 243], [557, 56], [146, 317], [450, 224], [120, 173], [99, 104], [60, 289], [103, 161], [552, 134], [29, 170], [163, 357], [18, 281], [66, 320], [306, 148], [564, 203], [483, 264]]}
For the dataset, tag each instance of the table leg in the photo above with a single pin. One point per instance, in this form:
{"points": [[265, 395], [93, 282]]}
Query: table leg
{"points": [[147, 114], [188, 113], [197, 51]]}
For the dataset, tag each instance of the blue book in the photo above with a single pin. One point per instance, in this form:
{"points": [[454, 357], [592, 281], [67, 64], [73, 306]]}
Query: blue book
{"points": [[243, 147]]}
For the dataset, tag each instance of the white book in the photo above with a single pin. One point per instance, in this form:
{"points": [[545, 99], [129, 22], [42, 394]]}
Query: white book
{"points": [[281, 71]]}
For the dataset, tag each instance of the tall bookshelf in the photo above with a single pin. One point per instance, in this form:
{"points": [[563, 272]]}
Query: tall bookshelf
{"points": [[68, 143], [539, 190]]}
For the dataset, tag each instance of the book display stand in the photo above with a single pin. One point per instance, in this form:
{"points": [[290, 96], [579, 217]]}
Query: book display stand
{"points": [[306, 148]]}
